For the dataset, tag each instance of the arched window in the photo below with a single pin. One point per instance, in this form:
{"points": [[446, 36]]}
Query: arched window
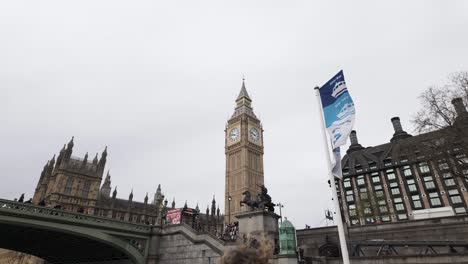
{"points": [[68, 186]]}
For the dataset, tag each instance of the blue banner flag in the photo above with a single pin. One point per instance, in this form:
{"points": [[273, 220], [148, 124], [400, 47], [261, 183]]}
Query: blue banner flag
{"points": [[338, 110]]}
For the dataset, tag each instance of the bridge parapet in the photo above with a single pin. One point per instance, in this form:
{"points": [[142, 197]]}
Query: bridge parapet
{"points": [[25, 210]]}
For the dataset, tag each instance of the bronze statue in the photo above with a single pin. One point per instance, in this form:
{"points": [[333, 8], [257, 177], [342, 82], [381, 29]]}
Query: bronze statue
{"points": [[263, 201]]}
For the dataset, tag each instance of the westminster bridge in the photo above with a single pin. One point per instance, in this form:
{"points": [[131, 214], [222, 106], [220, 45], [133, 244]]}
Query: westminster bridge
{"points": [[59, 236]]}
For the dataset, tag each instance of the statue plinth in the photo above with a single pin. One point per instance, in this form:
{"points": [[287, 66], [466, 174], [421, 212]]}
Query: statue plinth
{"points": [[259, 224]]}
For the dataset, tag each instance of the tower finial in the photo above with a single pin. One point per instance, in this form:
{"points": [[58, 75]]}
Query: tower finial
{"points": [[243, 92]]}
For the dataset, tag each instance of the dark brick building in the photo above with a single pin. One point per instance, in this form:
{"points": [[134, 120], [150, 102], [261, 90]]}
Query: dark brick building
{"points": [[398, 180]]}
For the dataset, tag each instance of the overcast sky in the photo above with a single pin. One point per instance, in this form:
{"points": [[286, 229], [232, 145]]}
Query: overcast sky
{"points": [[156, 81]]}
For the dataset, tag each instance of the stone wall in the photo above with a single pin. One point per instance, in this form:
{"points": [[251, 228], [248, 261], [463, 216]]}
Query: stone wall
{"points": [[181, 245], [13, 257], [436, 229]]}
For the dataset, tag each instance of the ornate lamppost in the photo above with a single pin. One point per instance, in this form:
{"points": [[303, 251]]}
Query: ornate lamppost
{"points": [[229, 208]]}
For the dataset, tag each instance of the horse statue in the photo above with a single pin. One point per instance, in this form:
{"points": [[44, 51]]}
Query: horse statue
{"points": [[247, 200], [263, 202]]}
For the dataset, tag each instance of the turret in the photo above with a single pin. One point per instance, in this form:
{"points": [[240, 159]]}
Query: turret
{"points": [[102, 162], [61, 156], [85, 160], [114, 194], [95, 160], [146, 198], [158, 195], [69, 150], [173, 204], [106, 186], [130, 197], [51, 165], [213, 206]]}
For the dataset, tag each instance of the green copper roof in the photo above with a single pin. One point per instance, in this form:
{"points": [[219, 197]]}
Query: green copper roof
{"points": [[286, 224]]}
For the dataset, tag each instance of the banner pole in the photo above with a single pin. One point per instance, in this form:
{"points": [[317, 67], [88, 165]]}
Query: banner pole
{"points": [[341, 233]]}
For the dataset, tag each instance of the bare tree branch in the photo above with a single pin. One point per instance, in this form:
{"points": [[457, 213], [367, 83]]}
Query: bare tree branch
{"points": [[437, 110]]}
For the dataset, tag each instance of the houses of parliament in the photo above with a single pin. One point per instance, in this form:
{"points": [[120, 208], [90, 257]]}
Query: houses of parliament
{"points": [[80, 185]]}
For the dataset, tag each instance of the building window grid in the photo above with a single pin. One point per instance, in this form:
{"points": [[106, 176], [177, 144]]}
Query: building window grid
{"points": [[380, 197], [424, 167], [416, 199], [434, 198], [360, 180]]}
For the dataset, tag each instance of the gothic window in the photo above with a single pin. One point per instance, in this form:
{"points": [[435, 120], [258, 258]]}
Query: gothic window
{"points": [[68, 186], [86, 187]]}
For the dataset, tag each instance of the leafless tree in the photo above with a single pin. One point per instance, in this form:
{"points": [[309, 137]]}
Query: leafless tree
{"points": [[437, 111]]}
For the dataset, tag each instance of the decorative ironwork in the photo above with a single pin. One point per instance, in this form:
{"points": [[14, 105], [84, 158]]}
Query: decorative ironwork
{"points": [[29, 209]]}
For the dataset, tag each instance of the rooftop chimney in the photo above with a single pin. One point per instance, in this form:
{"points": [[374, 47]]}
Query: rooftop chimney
{"points": [[459, 106], [397, 124], [399, 132], [354, 143]]}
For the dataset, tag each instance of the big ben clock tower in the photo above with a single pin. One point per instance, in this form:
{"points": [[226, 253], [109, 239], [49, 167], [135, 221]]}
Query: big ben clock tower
{"points": [[244, 156]]}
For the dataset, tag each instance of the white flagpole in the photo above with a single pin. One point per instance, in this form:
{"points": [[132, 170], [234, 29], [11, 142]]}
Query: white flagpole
{"points": [[341, 234]]}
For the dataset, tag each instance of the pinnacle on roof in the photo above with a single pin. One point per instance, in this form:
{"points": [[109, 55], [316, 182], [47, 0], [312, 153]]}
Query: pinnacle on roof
{"points": [[243, 92]]}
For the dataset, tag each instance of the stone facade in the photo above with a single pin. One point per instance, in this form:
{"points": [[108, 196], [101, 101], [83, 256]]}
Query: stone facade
{"points": [[13, 257], [73, 184], [244, 156]]}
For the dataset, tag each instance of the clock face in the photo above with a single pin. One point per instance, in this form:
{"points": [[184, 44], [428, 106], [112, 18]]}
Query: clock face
{"points": [[254, 134], [234, 134]]}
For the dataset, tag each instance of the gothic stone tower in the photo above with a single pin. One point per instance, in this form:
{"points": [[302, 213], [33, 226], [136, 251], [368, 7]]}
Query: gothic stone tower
{"points": [[244, 156], [70, 182]]}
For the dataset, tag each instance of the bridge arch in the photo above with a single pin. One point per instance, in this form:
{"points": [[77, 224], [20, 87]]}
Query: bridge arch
{"points": [[47, 234]]}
